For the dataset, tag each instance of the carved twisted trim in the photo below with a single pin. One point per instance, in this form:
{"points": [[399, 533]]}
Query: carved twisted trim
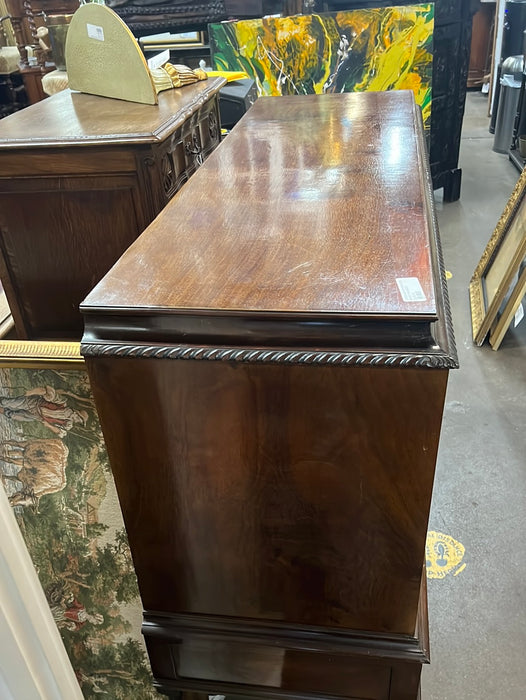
{"points": [[203, 12], [31, 21], [435, 233], [260, 355]]}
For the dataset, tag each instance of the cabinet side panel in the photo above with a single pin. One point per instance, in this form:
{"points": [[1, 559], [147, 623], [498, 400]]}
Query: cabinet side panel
{"points": [[293, 493], [58, 244]]}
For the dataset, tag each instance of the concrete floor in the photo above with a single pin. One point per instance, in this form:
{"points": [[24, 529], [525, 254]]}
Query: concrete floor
{"points": [[478, 617]]}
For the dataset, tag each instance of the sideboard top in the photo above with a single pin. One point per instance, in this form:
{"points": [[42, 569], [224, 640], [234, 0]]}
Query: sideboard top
{"points": [[315, 207], [77, 119], [312, 203]]}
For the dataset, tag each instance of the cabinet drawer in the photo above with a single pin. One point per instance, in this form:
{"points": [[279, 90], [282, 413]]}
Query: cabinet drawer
{"points": [[199, 658]]}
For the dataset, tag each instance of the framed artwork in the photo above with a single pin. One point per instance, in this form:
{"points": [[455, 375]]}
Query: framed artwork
{"points": [[55, 472], [497, 270], [166, 40], [378, 49], [506, 316]]}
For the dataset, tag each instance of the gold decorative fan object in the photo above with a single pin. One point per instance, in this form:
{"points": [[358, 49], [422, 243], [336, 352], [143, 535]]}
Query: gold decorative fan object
{"points": [[104, 58]]}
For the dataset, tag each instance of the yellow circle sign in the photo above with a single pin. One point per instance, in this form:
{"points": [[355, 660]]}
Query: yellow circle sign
{"points": [[443, 555]]}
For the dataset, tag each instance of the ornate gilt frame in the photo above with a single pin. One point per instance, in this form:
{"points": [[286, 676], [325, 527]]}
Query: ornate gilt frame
{"points": [[179, 40], [40, 353], [483, 314], [499, 328]]}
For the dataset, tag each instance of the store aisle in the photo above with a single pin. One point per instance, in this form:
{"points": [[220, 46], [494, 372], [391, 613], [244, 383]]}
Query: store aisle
{"points": [[478, 611]]}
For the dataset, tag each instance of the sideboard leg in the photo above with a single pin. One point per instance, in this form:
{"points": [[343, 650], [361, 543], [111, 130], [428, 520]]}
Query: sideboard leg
{"points": [[452, 185], [405, 682]]}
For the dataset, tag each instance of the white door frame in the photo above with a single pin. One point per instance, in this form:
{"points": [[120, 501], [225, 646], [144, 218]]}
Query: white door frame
{"points": [[33, 662], [497, 50]]}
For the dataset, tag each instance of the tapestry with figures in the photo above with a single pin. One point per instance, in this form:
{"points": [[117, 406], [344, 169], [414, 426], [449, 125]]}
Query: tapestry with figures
{"points": [[56, 474]]}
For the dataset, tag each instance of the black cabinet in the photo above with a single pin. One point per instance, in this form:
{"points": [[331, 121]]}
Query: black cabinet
{"points": [[12, 93], [451, 49]]}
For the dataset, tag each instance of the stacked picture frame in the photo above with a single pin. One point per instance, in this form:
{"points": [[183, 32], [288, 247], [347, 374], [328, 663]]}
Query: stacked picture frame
{"points": [[498, 284]]}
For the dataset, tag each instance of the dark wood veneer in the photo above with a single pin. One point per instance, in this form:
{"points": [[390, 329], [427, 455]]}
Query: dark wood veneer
{"points": [[81, 177], [273, 432], [333, 181]]}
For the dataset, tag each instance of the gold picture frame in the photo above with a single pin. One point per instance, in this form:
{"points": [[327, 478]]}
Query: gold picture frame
{"points": [[504, 319], [185, 40], [33, 354], [38, 354], [498, 266]]}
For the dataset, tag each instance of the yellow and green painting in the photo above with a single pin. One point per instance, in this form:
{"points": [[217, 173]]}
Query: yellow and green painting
{"points": [[387, 48]]}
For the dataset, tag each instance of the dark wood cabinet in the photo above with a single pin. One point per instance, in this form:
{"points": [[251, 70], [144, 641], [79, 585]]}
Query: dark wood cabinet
{"points": [[269, 362], [81, 177], [12, 93], [482, 35]]}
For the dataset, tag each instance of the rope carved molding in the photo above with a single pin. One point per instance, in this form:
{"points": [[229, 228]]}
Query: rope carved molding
{"points": [[259, 355]]}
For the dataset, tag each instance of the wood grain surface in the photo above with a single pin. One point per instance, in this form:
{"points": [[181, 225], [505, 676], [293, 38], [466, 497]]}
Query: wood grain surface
{"points": [[80, 178], [55, 246], [285, 493], [76, 118], [312, 204], [277, 505]]}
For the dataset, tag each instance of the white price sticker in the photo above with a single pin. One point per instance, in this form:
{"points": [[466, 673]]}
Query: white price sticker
{"points": [[519, 315], [410, 289], [95, 32]]}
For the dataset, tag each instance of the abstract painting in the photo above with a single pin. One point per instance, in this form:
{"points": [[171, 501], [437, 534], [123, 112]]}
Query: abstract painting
{"points": [[379, 49], [55, 471]]}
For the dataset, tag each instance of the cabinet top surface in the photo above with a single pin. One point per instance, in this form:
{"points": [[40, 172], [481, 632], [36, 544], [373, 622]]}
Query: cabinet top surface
{"points": [[313, 204], [77, 119]]}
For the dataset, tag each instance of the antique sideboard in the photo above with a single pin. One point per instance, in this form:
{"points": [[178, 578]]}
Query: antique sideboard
{"points": [[81, 177], [269, 363]]}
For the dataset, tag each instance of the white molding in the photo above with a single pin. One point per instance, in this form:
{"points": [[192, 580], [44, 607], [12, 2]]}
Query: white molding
{"points": [[33, 662], [497, 49]]}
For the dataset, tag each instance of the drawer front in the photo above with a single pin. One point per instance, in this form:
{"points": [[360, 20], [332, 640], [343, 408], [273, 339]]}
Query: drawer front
{"points": [[179, 156], [284, 671], [70, 161]]}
